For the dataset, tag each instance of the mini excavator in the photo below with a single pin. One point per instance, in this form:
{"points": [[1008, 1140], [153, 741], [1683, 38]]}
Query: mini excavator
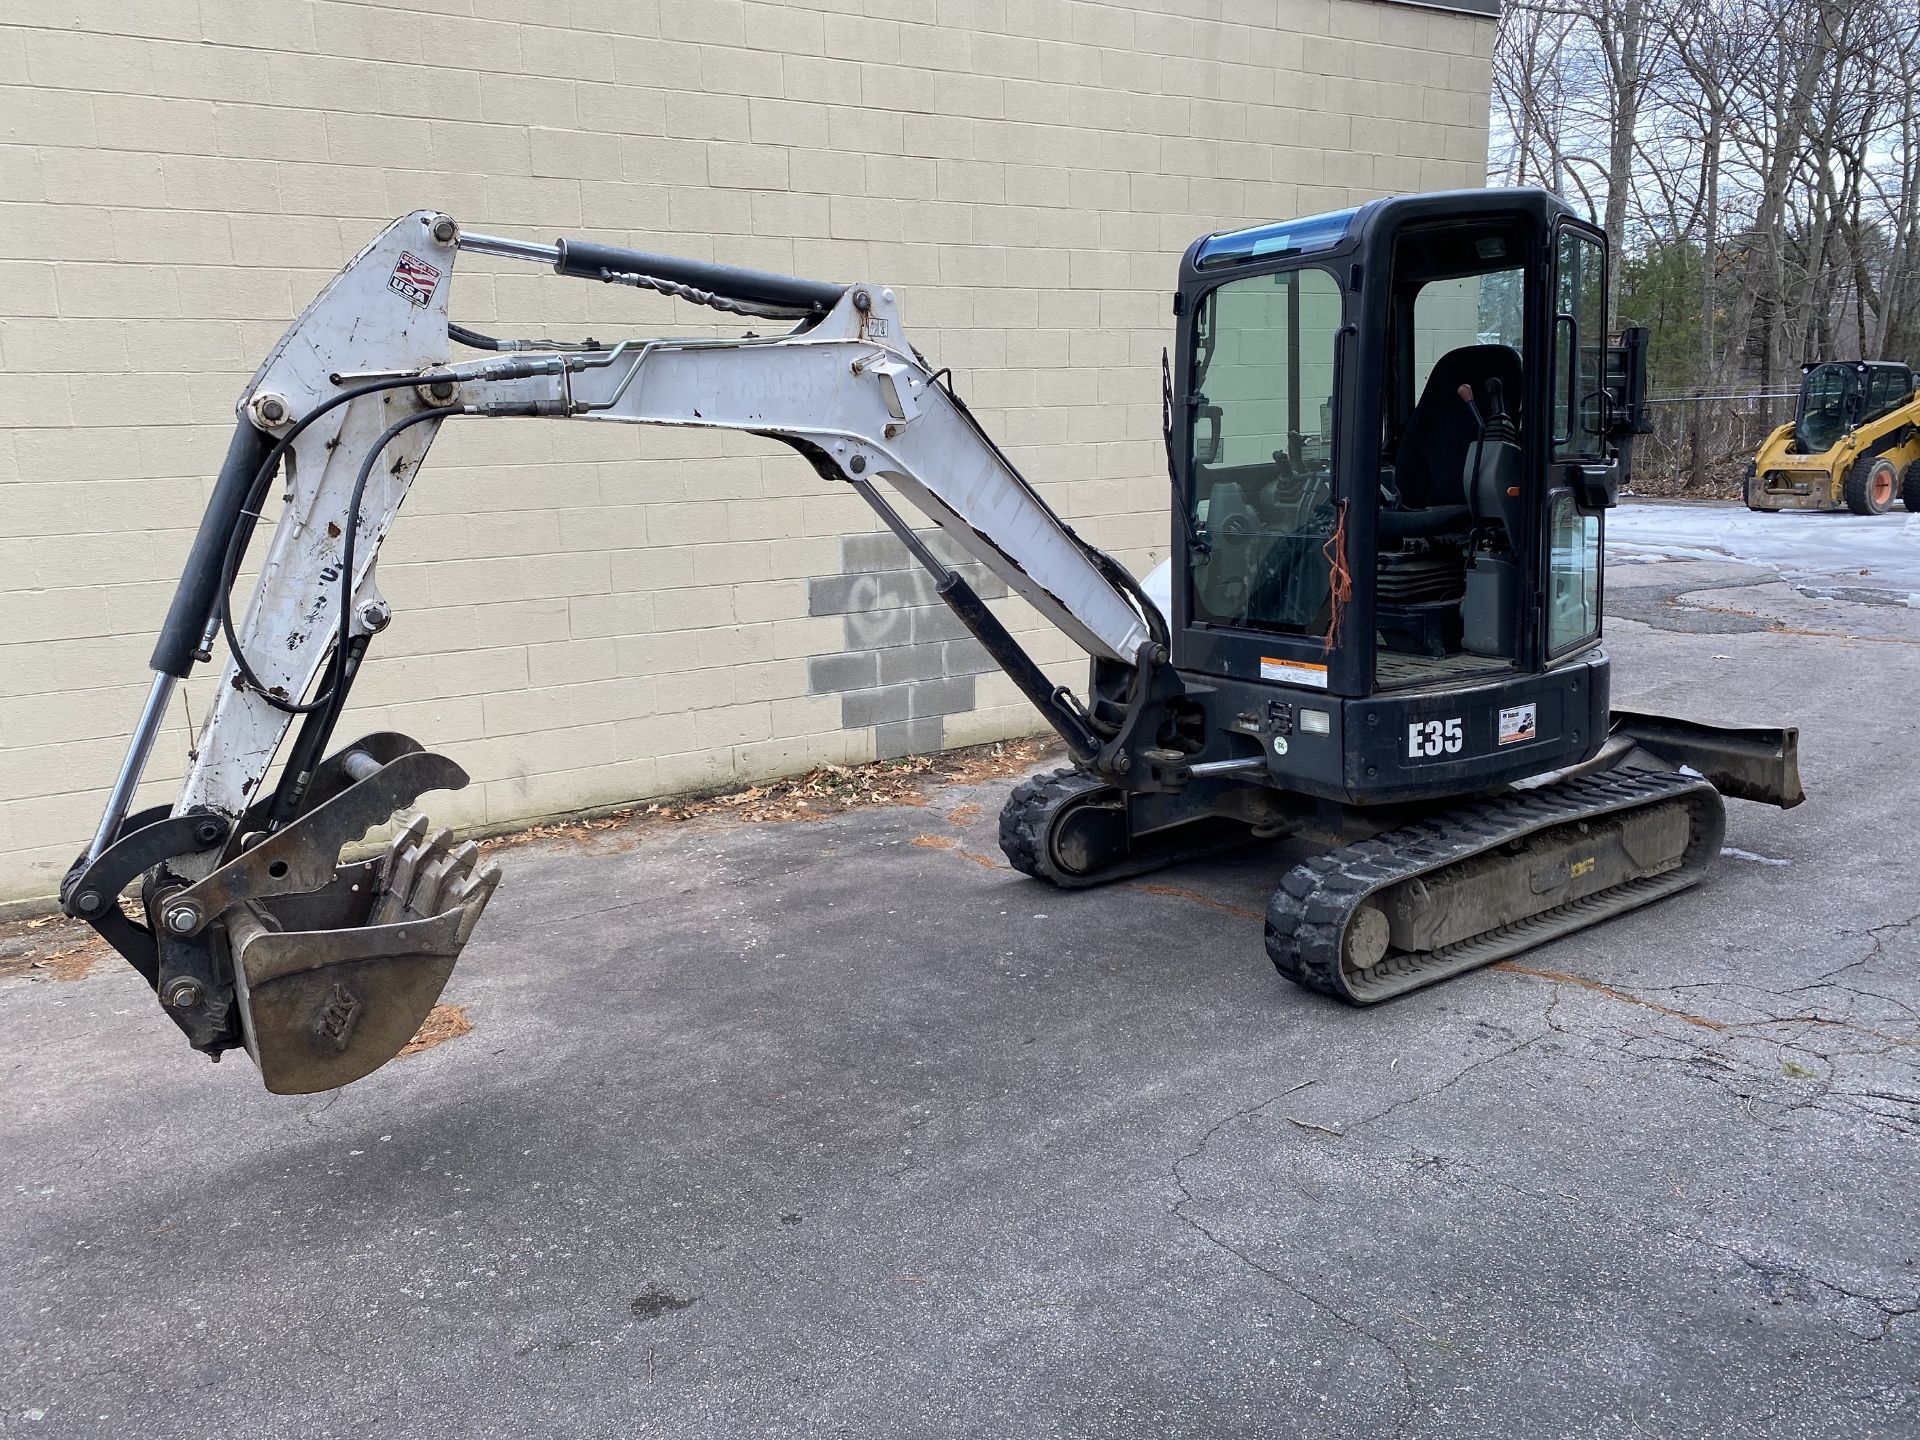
{"points": [[1392, 436]]}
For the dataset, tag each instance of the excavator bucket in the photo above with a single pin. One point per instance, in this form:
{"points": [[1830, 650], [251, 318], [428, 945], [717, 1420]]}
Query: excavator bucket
{"points": [[323, 970], [331, 985]]}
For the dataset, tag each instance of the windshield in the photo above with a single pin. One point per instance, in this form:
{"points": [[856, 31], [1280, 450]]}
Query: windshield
{"points": [[1826, 397], [1262, 450]]}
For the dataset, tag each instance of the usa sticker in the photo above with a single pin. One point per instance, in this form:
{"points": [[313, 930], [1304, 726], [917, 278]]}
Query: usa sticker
{"points": [[1517, 724], [413, 278], [1293, 672]]}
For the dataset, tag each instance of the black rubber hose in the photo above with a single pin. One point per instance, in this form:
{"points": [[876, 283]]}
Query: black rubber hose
{"points": [[337, 667], [474, 340], [249, 514], [297, 774]]}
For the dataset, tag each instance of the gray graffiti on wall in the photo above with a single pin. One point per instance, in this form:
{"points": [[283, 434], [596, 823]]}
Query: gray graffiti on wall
{"points": [[908, 661]]}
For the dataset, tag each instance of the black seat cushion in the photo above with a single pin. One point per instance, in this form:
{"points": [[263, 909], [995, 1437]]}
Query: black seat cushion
{"points": [[1433, 448], [1425, 523]]}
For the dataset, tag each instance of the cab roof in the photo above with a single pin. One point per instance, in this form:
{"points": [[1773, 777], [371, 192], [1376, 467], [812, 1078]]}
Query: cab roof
{"points": [[1335, 229]]}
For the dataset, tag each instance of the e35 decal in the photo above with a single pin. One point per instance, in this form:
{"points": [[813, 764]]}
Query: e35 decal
{"points": [[1427, 738]]}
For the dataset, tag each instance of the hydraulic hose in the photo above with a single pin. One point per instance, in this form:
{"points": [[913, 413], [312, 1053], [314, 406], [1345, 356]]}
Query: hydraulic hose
{"points": [[338, 666]]}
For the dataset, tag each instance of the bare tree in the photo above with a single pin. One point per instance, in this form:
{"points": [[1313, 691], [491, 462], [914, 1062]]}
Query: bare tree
{"points": [[1769, 150]]}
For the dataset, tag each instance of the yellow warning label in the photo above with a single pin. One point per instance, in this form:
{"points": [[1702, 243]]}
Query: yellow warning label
{"points": [[1582, 867]]}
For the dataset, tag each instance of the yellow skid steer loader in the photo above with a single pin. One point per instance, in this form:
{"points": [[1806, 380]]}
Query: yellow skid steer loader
{"points": [[1853, 444]]}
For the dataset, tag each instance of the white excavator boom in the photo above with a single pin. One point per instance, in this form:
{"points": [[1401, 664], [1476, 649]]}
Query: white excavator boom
{"points": [[257, 934]]}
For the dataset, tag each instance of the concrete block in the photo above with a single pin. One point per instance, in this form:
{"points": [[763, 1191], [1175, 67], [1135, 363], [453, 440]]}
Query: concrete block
{"points": [[859, 708], [880, 550], [940, 697], [900, 663], [857, 671], [908, 737], [937, 622], [964, 657]]}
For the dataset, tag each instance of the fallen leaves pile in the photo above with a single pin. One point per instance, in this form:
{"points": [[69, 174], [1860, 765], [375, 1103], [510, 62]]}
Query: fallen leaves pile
{"points": [[443, 1023], [49, 947], [827, 790], [1725, 478]]}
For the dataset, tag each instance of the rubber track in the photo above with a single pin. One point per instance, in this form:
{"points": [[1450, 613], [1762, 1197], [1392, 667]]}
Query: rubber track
{"points": [[1028, 814], [1307, 917], [1036, 805]]}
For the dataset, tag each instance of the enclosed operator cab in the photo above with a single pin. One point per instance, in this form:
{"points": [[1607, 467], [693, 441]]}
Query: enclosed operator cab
{"points": [[1839, 396], [1397, 430]]}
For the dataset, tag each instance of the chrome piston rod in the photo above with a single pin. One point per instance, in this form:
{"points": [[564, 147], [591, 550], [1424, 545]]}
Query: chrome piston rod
{"points": [[139, 750], [512, 249]]}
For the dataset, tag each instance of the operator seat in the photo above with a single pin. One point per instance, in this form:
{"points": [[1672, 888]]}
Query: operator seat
{"points": [[1432, 453]]}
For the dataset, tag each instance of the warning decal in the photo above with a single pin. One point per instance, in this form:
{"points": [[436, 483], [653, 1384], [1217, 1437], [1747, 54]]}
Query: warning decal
{"points": [[1517, 724], [1293, 672], [413, 278]]}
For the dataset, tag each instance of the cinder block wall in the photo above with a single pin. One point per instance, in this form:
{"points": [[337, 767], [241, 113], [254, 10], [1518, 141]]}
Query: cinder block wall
{"points": [[593, 614]]}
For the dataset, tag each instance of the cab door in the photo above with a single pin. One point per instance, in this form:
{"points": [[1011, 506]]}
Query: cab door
{"points": [[1580, 456]]}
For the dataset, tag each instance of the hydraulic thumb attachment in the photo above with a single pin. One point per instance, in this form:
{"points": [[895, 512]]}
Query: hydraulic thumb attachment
{"points": [[321, 970], [251, 925]]}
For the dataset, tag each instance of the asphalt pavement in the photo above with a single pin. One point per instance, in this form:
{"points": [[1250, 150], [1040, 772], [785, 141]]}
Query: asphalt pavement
{"points": [[841, 1128]]}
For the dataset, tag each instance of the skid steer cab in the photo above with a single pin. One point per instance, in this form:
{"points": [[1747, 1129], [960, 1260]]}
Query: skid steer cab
{"points": [[1392, 436], [1853, 444]]}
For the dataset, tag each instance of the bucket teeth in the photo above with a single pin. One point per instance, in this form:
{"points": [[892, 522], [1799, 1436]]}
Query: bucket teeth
{"points": [[396, 871], [441, 878], [422, 877], [472, 894]]}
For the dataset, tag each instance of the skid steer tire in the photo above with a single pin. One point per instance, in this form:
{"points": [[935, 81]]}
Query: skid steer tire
{"points": [[1910, 489], [1872, 484]]}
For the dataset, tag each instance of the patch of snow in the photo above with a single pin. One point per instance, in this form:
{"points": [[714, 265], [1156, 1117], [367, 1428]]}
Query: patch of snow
{"points": [[1733, 852], [1798, 546]]}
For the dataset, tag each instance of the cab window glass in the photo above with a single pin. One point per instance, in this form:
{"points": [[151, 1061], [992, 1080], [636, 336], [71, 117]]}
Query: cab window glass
{"points": [[1474, 310], [1573, 576], [1890, 387], [1579, 345], [1262, 450]]}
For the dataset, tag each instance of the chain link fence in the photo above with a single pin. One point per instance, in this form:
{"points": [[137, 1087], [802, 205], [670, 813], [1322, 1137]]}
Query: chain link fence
{"points": [[1701, 444]]}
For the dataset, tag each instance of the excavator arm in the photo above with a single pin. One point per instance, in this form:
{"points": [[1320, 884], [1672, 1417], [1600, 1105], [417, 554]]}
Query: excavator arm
{"points": [[248, 924]]}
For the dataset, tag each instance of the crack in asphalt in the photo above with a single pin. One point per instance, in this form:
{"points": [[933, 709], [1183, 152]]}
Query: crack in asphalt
{"points": [[1421, 1097], [1178, 1210], [1892, 1308]]}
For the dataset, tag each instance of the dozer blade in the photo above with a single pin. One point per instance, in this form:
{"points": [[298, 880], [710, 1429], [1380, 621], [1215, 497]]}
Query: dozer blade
{"points": [[1746, 762], [334, 967], [1489, 880]]}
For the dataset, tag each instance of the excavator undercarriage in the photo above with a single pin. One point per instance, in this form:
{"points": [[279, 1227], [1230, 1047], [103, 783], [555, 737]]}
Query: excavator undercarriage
{"points": [[1378, 636]]}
